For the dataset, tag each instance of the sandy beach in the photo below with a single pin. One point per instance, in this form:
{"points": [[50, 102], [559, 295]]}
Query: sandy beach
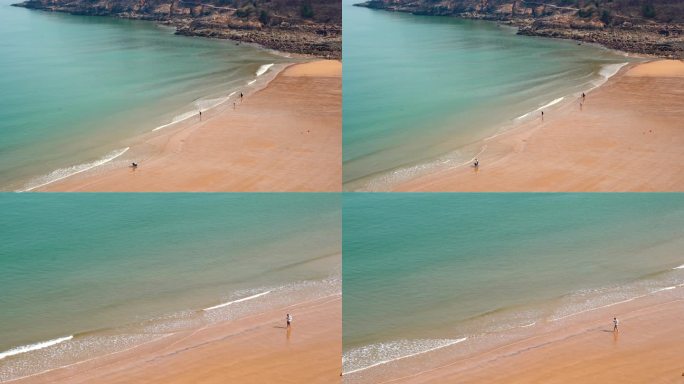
{"points": [[286, 136], [627, 136], [255, 349], [584, 349]]}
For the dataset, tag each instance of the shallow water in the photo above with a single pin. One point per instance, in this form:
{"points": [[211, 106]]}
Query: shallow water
{"points": [[422, 271], [74, 88], [113, 270], [419, 89]]}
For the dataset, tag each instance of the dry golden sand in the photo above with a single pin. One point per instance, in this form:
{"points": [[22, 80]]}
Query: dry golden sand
{"points": [[257, 349], [285, 137], [628, 136], [649, 348]]}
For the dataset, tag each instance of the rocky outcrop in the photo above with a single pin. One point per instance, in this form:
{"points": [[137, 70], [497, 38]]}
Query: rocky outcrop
{"points": [[653, 28], [302, 27], [643, 39]]}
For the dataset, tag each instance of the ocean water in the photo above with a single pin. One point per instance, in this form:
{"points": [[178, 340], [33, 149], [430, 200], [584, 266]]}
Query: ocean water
{"points": [[73, 89], [430, 271], [82, 275], [420, 90]]}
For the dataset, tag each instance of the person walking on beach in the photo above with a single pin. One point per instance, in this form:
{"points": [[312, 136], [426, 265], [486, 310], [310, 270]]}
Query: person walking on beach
{"points": [[241, 95], [288, 319], [583, 96], [542, 115], [476, 164], [200, 115], [615, 324]]}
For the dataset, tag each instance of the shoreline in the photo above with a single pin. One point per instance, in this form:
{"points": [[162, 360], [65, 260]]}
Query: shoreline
{"points": [[562, 153], [308, 352], [387, 180], [632, 38], [317, 41], [281, 94], [35, 183], [564, 350]]}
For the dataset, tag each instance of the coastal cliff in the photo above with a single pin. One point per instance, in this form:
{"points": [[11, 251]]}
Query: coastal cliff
{"points": [[646, 27], [295, 26]]}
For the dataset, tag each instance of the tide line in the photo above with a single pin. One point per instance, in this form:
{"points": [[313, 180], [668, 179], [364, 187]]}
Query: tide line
{"points": [[237, 301], [63, 173], [616, 303], [553, 102], [34, 347], [456, 341], [262, 69]]}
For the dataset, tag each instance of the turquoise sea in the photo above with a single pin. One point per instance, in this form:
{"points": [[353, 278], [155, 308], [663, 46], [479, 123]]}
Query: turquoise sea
{"points": [[420, 90], [74, 89], [471, 271], [87, 274]]}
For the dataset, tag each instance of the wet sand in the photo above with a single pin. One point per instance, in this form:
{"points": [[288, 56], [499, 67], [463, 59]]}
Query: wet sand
{"points": [[286, 136], [256, 349], [584, 349], [628, 136], [647, 349]]}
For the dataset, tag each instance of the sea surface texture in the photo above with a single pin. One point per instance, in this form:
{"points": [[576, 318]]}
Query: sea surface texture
{"points": [[73, 89], [84, 275], [467, 271]]}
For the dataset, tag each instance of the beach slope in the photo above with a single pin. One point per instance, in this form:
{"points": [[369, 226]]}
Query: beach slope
{"points": [[646, 349], [256, 349], [626, 136], [286, 136]]}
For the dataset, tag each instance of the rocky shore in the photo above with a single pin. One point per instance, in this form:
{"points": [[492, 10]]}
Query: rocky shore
{"points": [[621, 31], [308, 28]]}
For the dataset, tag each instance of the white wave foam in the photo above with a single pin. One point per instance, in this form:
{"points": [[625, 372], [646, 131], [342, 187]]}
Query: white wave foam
{"points": [[34, 347], [555, 101], [528, 325], [615, 303], [387, 179], [41, 372], [680, 267], [164, 126], [595, 308], [63, 173], [384, 353], [237, 301], [263, 69], [252, 82], [202, 105], [523, 116], [610, 70], [606, 72], [178, 119], [552, 102], [664, 289], [150, 330]]}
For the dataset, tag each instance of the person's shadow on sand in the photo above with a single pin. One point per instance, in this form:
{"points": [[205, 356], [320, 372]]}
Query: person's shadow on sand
{"points": [[616, 334]]}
